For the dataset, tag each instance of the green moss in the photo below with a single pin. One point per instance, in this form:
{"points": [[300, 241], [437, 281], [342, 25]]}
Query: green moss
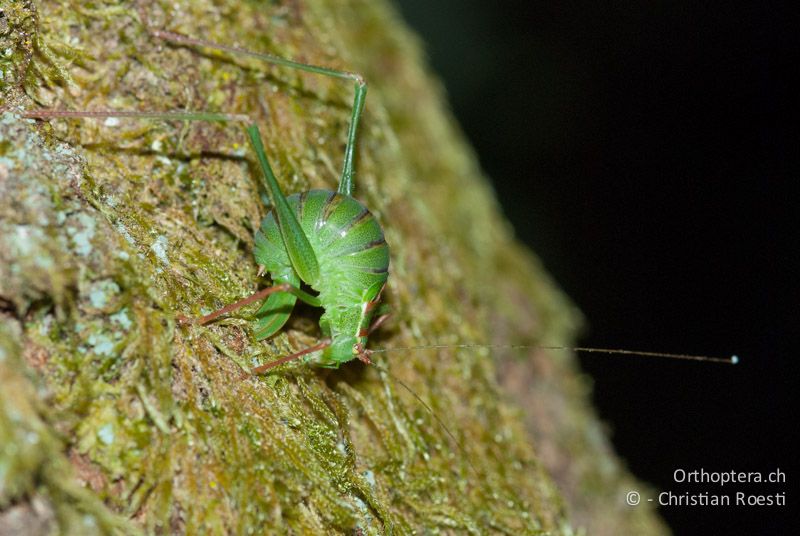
{"points": [[110, 230]]}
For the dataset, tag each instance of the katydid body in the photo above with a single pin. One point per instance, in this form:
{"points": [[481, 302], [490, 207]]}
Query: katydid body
{"points": [[332, 243], [353, 263]]}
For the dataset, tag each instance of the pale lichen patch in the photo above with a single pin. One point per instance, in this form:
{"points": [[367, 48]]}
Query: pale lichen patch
{"points": [[106, 434], [122, 319], [101, 292], [81, 231], [159, 248]]}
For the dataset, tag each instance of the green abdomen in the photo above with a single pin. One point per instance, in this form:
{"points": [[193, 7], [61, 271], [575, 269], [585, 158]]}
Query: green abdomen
{"points": [[349, 245]]}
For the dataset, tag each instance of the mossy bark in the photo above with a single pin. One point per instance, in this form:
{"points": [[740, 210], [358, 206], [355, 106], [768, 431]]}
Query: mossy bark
{"points": [[115, 419]]}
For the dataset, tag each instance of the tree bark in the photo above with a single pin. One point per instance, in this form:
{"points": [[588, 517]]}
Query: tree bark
{"points": [[114, 418]]}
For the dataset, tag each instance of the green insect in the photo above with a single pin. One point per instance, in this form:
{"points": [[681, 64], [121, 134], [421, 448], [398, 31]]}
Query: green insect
{"points": [[327, 240]]}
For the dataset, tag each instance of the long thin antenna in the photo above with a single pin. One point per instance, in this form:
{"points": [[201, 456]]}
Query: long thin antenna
{"points": [[430, 410], [732, 360]]}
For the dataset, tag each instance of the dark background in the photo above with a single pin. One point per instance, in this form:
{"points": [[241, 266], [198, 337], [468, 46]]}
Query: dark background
{"points": [[646, 153]]}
